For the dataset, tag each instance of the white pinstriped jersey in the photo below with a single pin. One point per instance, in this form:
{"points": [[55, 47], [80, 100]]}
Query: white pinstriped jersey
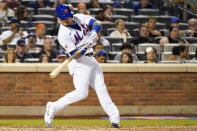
{"points": [[71, 38]]}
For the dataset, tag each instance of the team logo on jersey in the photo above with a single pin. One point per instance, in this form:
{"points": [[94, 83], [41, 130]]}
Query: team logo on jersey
{"points": [[66, 11], [77, 36]]}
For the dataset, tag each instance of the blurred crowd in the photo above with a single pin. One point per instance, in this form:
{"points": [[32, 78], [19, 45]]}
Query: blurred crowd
{"points": [[29, 31]]}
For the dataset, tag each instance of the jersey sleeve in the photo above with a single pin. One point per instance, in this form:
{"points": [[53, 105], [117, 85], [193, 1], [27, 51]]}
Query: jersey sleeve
{"points": [[84, 18]]}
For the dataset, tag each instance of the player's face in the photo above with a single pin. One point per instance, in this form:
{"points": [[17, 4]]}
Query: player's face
{"points": [[66, 22]]}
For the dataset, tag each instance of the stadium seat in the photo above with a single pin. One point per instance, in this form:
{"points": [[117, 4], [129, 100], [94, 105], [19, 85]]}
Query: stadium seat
{"points": [[49, 24], [46, 11], [148, 12], [192, 47], [164, 18], [116, 47], [141, 56], [94, 11], [31, 29], [35, 54], [168, 62], [113, 54], [30, 11], [5, 28], [44, 18], [26, 2], [31, 60], [124, 11], [165, 55], [191, 40], [1, 60], [142, 47], [169, 47], [24, 24], [131, 25], [139, 18], [112, 61], [183, 26], [114, 39], [106, 25], [160, 25], [115, 17]]}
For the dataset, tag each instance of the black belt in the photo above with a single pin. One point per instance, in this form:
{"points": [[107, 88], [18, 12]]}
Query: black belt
{"points": [[89, 54]]}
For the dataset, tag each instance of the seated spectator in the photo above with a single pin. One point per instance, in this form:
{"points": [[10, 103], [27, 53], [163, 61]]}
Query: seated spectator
{"points": [[141, 5], [192, 23], [39, 4], [120, 30], [144, 36], [10, 37], [195, 57], [21, 13], [5, 12], [179, 53], [101, 56], [44, 58], [20, 51], [126, 58], [105, 14], [116, 4], [48, 48], [10, 56], [174, 21], [13, 3], [83, 9], [152, 27], [94, 4], [126, 48], [98, 47], [61, 56], [150, 54], [102, 40], [31, 43], [40, 33], [173, 37]]}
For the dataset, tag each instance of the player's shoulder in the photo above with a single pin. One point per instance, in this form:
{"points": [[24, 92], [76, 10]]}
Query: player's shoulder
{"points": [[80, 16]]}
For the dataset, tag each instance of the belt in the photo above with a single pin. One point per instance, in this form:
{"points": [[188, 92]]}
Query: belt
{"points": [[89, 54]]}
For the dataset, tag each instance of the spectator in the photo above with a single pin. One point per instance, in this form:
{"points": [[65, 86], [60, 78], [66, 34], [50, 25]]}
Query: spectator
{"points": [[192, 23], [103, 41], [61, 56], [98, 47], [48, 48], [141, 5], [120, 30], [101, 56], [126, 48], [20, 51], [40, 33], [39, 4], [10, 37], [21, 13], [105, 14], [144, 36], [195, 57], [31, 43], [94, 4], [152, 27], [173, 37], [82, 8], [179, 53], [5, 12], [116, 4], [126, 58], [150, 54], [10, 56], [174, 21], [13, 3], [44, 58]]}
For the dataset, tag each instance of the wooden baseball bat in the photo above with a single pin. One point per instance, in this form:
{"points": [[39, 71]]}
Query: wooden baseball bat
{"points": [[58, 69]]}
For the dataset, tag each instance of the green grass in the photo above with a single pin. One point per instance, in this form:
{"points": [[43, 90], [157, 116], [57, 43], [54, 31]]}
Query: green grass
{"points": [[97, 122]]}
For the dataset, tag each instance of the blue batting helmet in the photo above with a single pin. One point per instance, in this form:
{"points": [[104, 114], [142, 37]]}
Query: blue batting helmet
{"points": [[63, 11]]}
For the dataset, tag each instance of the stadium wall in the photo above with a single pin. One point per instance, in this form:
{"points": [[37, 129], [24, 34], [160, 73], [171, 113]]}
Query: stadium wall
{"points": [[137, 89]]}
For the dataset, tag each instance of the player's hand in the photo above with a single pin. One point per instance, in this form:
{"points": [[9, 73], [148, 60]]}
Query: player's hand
{"points": [[93, 35]]}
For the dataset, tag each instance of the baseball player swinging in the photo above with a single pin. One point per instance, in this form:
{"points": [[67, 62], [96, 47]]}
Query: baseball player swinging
{"points": [[73, 35]]}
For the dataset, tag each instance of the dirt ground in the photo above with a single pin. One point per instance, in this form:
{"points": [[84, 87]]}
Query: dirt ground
{"points": [[96, 128]]}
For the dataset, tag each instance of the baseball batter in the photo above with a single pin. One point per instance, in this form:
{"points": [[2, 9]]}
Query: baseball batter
{"points": [[73, 35]]}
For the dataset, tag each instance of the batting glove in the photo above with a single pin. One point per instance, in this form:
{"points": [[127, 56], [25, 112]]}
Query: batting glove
{"points": [[93, 35]]}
